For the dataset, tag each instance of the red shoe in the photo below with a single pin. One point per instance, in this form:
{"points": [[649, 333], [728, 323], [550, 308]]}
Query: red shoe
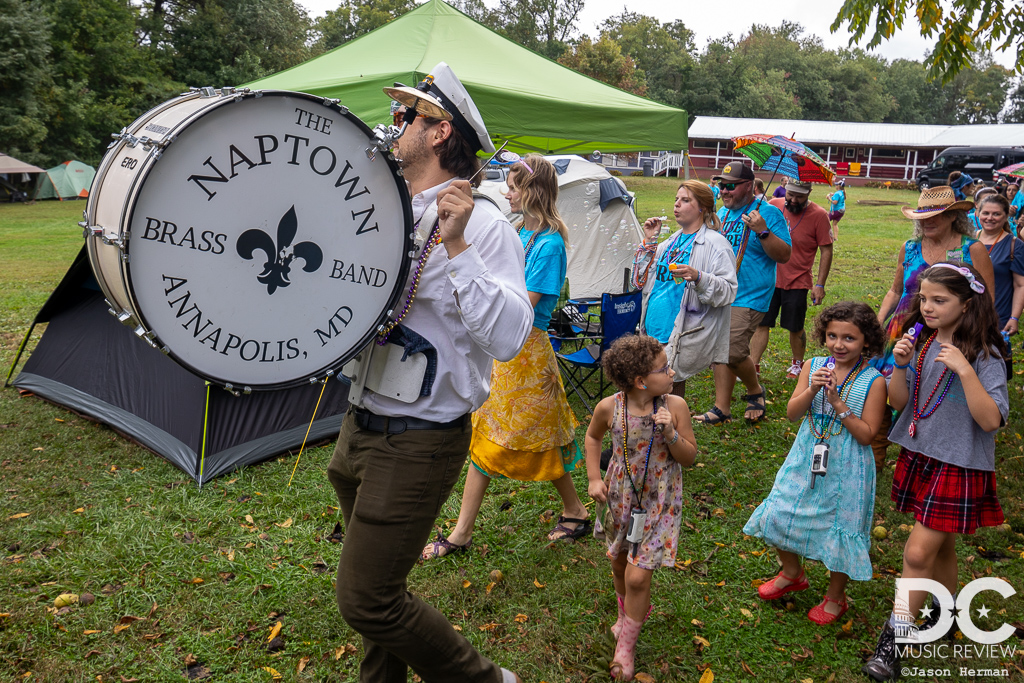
{"points": [[768, 591], [819, 616], [794, 369]]}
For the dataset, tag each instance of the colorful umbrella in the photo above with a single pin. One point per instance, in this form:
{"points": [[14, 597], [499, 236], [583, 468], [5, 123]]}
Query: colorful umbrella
{"points": [[780, 154], [1016, 170]]}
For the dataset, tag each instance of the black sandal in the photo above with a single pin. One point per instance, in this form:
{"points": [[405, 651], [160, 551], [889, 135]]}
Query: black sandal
{"points": [[755, 402], [583, 527], [714, 416], [442, 547]]}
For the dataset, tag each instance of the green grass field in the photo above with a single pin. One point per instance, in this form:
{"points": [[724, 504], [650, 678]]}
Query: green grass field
{"points": [[189, 583]]}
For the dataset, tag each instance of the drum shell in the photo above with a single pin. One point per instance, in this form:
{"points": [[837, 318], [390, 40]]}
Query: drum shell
{"points": [[134, 160]]}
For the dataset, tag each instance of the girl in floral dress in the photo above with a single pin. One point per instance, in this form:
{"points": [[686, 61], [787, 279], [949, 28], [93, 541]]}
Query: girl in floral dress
{"points": [[652, 440]]}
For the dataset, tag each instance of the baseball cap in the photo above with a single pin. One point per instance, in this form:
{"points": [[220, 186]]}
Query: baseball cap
{"points": [[735, 172]]}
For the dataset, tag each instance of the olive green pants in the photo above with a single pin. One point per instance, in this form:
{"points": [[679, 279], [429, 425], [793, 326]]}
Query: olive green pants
{"points": [[391, 488]]}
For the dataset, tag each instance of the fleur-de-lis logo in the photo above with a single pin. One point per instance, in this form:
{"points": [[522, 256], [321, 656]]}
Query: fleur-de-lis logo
{"points": [[279, 259]]}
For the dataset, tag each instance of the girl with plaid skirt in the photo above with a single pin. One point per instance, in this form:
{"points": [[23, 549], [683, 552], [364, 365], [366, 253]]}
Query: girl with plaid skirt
{"points": [[949, 382]]}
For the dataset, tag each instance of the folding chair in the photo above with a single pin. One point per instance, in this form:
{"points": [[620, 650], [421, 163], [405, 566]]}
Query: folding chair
{"points": [[620, 315]]}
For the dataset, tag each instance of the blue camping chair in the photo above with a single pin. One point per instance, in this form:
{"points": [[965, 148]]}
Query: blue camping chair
{"points": [[620, 315]]}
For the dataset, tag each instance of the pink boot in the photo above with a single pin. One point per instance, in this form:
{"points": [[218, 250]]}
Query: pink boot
{"points": [[617, 628], [625, 649]]}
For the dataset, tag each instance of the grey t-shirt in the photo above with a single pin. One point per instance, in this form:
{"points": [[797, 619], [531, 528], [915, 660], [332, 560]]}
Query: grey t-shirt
{"points": [[951, 435]]}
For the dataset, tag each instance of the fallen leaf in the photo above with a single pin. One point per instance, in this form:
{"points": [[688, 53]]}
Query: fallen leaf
{"points": [[90, 653], [248, 518], [302, 665], [128, 680], [285, 524], [196, 580], [490, 587], [489, 627], [20, 515], [190, 659], [273, 674], [708, 676], [65, 599], [805, 654], [538, 584], [231, 556], [641, 677], [702, 641], [467, 583], [746, 613], [38, 448], [230, 482], [697, 623], [521, 618], [152, 610], [121, 627], [128, 619], [345, 650], [274, 631], [79, 511], [848, 626], [747, 669]]}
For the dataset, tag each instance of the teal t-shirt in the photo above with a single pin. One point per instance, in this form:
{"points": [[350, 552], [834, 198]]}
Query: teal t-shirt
{"points": [[666, 295], [757, 271], [838, 200], [545, 272]]}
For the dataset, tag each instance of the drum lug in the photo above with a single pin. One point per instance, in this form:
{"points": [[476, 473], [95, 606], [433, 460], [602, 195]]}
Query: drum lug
{"points": [[146, 336], [383, 140], [126, 137], [334, 102], [124, 317], [205, 92]]}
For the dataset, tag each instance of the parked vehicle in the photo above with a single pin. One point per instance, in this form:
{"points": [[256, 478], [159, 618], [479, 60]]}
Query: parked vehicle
{"points": [[977, 162]]}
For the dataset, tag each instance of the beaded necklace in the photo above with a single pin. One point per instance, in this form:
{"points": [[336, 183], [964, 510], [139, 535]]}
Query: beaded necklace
{"points": [[529, 245], [433, 239], [625, 451], [918, 415], [683, 244], [844, 391]]}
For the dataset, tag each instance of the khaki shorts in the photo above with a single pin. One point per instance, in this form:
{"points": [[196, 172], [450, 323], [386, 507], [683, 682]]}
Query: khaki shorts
{"points": [[742, 325]]}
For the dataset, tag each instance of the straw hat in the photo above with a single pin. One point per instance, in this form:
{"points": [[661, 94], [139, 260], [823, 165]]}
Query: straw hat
{"points": [[934, 201]]}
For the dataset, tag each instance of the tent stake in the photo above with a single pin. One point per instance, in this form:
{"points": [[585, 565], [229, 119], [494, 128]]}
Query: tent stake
{"points": [[17, 356], [317, 407]]}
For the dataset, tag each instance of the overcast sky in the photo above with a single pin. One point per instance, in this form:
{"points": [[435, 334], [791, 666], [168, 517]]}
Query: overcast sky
{"points": [[710, 20]]}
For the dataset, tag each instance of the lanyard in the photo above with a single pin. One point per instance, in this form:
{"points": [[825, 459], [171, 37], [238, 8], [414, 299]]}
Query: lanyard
{"points": [[727, 226], [625, 452], [672, 254], [844, 391]]}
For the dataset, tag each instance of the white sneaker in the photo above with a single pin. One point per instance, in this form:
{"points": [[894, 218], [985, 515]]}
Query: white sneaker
{"points": [[794, 369]]}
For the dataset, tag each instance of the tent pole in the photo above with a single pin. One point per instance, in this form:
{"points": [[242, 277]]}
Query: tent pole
{"points": [[206, 422], [317, 407], [17, 356]]}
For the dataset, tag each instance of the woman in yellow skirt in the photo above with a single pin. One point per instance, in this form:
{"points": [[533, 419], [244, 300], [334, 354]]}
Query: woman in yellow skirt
{"points": [[526, 430]]}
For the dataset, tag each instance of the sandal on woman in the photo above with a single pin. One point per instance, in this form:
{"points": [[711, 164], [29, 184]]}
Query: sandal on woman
{"points": [[714, 416], [755, 402], [819, 616], [769, 591], [441, 547], [583, 527]]}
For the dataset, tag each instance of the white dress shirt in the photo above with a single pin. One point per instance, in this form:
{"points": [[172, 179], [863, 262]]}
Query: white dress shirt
{"points": [[490, 320]]}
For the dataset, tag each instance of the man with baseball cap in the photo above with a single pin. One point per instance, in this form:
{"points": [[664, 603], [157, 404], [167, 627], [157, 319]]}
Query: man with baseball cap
{"points": [[760, 239], [810, 232], [397, 460]]}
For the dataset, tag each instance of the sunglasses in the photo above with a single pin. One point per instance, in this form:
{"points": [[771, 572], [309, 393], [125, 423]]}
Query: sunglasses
{"points": [[663, 371], [399, 116], [732, 186]]}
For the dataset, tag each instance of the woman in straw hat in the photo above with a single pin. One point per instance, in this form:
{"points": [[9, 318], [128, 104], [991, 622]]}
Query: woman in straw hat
{"points": [[942, 232]]}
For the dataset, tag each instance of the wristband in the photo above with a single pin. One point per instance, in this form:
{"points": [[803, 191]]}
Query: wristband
{"points": [[674, 439], [817, 285], [1012, 318], [845, 414], [901, 367]]}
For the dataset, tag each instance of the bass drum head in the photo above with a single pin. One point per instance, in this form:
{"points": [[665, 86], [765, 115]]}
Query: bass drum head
{"points": [[265, 248]]}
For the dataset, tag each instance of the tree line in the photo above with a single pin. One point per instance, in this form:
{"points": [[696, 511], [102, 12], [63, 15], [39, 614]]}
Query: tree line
{"points": [[74, 71]]}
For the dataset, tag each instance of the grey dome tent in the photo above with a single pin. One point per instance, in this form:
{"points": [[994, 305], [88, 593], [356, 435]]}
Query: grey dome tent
{"points": [[90, 363]]}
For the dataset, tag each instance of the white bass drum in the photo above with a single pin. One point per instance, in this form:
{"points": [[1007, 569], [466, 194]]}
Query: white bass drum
{"points": [[248, 234]]}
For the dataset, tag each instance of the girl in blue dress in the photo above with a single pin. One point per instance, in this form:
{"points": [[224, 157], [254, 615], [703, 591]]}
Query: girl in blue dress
{"points": [[827, 516]]}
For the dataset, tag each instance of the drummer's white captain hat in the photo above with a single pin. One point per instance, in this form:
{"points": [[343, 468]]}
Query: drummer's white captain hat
{"points": [[441, 95]]}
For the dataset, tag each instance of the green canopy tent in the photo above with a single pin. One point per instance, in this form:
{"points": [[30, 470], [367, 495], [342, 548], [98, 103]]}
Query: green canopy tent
{"points": [[68, 180], [536, 104]]}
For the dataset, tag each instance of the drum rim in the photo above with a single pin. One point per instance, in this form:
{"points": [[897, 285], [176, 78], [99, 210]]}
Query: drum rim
{"points": [[400, 281]]}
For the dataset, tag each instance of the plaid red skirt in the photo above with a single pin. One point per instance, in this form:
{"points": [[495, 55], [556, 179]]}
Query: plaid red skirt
{"points": [[945, 497]]}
